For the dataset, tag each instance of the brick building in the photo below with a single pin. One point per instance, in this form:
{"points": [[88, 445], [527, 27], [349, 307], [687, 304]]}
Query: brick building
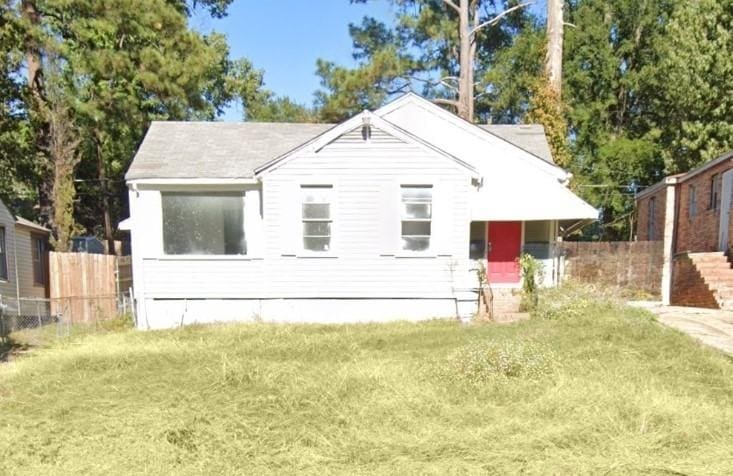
{"points": [[690, 212]]}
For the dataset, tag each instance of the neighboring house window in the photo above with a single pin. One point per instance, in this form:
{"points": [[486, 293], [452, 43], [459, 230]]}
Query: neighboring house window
{"points": [[651, 212], [39, 259], [714, 191], [692, 206], [417, 213], [316, 216], [3, 256], [207, 223]]}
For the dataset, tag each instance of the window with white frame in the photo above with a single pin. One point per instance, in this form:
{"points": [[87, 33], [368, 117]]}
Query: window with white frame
{"points": [[203, 223], [416, 217], [317, 217]]}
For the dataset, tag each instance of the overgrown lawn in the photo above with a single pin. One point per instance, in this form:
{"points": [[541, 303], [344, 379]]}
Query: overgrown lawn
{"points": [[588, 386]]}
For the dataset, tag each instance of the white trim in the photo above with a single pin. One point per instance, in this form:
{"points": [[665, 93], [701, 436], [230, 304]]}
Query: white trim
{"points": [[204, 258], [317, 143], [192, 181]]}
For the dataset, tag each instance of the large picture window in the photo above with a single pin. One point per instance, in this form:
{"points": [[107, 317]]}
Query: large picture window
{"points": [[3, 256], [416, 216], [203, 223], [316, 217]]}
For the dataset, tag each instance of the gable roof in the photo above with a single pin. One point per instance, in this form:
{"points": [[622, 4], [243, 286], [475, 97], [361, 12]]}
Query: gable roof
{"points": [[20, 221], [365, 117], [530, 137], [29, 224], [222, 150], [215, 149]]}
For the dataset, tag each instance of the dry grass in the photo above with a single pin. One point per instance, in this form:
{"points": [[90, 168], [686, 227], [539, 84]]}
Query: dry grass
{"points": [[621, 395]]}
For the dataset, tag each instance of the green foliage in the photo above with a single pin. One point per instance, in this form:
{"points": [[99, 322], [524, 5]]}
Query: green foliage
{"points": [[417, 51], [548, 109], [123, 64], [612, 57], [533, 272], [695, 84], [16, 158]]}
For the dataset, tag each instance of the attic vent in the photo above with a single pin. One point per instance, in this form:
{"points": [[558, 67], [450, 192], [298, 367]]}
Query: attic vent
{"points": [[366, 128]]}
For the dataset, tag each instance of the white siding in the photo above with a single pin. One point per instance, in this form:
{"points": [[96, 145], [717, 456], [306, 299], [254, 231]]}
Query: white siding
{"points": [[359, 266], [281, 279]]}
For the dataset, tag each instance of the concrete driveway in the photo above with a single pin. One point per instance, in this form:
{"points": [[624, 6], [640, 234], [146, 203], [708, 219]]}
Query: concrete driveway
{"points": [[710, 326]]}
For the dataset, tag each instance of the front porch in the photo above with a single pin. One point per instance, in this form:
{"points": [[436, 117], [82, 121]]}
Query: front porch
{"points": [[497, 246]]}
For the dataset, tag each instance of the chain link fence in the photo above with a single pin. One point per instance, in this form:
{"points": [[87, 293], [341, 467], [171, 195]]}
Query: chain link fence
{"points": [[34, 321]]}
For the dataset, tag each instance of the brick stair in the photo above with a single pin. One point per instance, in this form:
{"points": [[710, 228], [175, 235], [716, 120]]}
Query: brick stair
{"points": [[716, 272]]}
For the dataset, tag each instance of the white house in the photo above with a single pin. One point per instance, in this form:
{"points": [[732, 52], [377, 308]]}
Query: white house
{"points": [[384, 216], [23, 260]]}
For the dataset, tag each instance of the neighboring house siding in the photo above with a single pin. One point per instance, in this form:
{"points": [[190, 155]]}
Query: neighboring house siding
{"points": [[650, 216], [26, 281], [7, 221], [699, 232]]}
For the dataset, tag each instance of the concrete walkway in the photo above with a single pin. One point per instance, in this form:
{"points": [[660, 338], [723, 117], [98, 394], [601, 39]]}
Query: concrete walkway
{"points": [[710, 326]]}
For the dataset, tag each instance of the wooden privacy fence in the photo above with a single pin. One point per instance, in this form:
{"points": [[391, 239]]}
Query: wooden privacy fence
{"points": [[634, 265], [87, 287]]}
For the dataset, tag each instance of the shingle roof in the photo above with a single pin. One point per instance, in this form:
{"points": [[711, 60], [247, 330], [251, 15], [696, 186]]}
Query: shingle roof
{"points": [[235, 150], [530, 137], [215, 149], [27, 223]]}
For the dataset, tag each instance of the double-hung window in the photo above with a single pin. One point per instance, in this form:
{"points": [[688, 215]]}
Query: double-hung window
{"points": [[3, 256], [317, 217], [416, 217], [203, 223]]}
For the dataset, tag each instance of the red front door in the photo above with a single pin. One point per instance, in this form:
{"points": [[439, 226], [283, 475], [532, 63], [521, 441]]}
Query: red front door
{"points": [[504, 246]]}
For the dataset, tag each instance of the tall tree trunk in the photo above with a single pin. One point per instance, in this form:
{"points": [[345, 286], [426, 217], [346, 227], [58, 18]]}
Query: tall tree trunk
{"points": [[465, 78], [38, 110], [553, 61], [32, 54], [102, 176]]}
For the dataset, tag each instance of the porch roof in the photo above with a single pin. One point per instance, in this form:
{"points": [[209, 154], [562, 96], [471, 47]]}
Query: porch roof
{"points": [[509, 200]]}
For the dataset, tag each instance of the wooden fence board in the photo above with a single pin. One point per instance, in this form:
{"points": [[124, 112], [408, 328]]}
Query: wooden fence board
{"points": [[84, 287]]}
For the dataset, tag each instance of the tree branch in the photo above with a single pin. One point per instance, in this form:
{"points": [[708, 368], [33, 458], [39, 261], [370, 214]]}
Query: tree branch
{"points": [[447, 102], [452, 4], [498, 17], [442, 81]]}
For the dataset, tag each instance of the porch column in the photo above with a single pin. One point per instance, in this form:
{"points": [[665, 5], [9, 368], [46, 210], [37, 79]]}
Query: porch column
{"points": [[670, 219]]}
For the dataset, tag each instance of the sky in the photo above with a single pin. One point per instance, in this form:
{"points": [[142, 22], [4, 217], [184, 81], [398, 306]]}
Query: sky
{"points": [[285, 37]]}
